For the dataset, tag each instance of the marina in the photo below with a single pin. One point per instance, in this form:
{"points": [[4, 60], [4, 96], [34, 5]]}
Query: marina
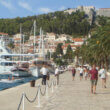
{"points": [[54, 55]]}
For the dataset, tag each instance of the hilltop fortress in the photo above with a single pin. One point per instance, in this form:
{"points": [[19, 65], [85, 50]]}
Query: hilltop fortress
{"points": [[90, 11]]}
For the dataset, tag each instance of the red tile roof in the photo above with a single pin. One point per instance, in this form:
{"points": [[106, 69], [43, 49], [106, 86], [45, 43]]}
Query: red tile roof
{"points": [[17, 39], [1, 33], [65, 46], [77, 39]]}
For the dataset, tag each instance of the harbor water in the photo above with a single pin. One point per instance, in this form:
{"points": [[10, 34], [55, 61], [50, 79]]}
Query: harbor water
{"points": [[5, 83]]}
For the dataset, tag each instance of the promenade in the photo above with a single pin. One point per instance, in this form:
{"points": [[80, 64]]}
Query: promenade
{"points": [[70, 95]]}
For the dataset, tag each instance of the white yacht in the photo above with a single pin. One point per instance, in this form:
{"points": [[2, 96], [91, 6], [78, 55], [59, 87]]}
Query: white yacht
{"points": [[8, 60]]}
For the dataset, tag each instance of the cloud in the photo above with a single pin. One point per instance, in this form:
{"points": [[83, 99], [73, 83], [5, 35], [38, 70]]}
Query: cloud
{"points": [[62, 8], [7, 5], [25, 5], [45, 10]]}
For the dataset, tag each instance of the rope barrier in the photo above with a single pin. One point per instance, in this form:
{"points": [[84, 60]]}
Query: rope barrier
{"points": [[54, 82], [43, 93], [49, 85], [39, 91], [47, 90], [20, 102], [23, 100], [31, 101], [39, 105]]}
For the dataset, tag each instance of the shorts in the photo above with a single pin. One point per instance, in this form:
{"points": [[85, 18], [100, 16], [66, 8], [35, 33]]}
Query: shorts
{"points": [[94, 82], [73, 74], [86, 74], [81, 74]]}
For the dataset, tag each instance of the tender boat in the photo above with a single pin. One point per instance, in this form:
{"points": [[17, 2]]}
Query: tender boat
{"points": [[21, 70]]}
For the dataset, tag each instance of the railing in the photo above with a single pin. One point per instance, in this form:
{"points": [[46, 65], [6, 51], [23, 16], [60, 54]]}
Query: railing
{"points": [[38, 93]]}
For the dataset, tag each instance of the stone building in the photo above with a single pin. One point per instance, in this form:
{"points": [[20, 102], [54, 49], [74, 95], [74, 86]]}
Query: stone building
{"points": [[89, 11], [103, 12]]}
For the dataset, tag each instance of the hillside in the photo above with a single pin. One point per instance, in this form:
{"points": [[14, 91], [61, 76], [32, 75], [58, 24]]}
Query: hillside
{"points": [[57, 22]]}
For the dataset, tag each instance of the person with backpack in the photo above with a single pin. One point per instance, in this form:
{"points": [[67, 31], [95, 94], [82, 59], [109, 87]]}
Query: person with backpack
{"points": [[73, 72]]}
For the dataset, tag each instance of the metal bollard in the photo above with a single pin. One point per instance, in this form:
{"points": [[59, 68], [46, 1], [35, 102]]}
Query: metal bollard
{"points": [[52, 87], [47, 90], [23, 100], [56, 84], [39, 105]]}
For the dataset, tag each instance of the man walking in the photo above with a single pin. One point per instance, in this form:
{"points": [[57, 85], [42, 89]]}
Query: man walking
{"points": [[94, 79], [57, 74], [81, 71], [73, 72], [44, 72]]}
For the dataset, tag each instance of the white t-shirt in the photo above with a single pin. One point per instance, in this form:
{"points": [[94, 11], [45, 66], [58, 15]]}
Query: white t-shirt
{"points": [[102, 72], [44, 71], [81, 70], [90, 68], [56, 71]]}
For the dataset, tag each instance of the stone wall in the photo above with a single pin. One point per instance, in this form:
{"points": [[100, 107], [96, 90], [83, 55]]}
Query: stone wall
{"points": [[103, 12]]}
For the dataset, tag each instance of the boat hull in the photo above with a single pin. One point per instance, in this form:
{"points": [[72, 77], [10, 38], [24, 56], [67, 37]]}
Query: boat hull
{"points": [[21, 73]]}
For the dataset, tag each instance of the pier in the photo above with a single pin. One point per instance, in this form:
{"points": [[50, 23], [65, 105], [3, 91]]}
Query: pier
{"points": [[70, 95]]}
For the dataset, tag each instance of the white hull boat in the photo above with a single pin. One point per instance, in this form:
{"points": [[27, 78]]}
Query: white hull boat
{"points": [[20, 72], [35, 71]]}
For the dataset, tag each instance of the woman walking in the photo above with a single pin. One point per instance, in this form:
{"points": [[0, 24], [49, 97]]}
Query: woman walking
{"points": [[86, 73], [103, 76]]}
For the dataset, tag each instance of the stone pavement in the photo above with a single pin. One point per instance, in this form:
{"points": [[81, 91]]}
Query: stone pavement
{"points": [[70, 95], [75, 95]]}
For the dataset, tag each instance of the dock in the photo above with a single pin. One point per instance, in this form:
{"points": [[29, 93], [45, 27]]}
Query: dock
{"points": [[69, 95]]}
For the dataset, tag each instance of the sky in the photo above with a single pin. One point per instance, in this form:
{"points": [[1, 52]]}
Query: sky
{"points": [[23, 8]]}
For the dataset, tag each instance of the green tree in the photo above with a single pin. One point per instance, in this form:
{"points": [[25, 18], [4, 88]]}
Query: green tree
{"points": [[97, 49], [59, 50], [69, 53], [11, 45]]}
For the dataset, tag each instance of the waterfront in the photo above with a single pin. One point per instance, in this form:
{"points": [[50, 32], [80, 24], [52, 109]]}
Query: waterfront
{"points": [[69, 95], [5, 83]]}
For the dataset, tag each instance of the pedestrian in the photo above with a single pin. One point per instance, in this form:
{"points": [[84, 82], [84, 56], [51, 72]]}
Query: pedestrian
{"points": [[86, 73], [57, 72], [94, 78], [73, 72], [44, 72], [81, 71], [103, 76]]}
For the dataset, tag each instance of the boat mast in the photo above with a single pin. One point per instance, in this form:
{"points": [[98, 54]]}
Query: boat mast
{"points": [[43, 52], [23, 46], [20, 40], [40, 39], [34, 36]]}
